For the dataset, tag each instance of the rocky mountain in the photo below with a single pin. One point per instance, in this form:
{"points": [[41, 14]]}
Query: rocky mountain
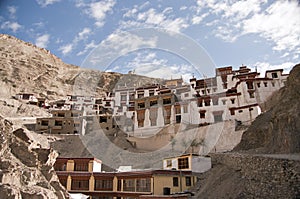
{"points": [[278, 129], [26, 166], [25, 67]]}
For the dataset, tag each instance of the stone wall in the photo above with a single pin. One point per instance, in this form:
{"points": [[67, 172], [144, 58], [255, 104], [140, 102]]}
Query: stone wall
{"points": [[276, 176]]}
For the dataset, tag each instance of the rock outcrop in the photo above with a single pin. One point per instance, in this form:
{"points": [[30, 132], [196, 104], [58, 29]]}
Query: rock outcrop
{"points": [[26, 171]]}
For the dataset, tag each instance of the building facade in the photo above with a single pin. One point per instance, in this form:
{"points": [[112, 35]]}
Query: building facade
{"points": [[83, 175]]}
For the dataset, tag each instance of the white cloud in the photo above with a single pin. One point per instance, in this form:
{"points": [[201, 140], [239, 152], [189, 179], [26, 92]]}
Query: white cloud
{"points": [[275, 21], [14, 26], [42, 41], [262, 67], [66, 49], [99, 10], [12, 11], [84, 33], [87, 47], [124, 42], [153, 18], [279, 23], [45, 3], [197, 19]]}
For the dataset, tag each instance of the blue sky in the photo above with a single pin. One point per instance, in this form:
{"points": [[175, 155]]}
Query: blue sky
{"points": [[258, 33]]}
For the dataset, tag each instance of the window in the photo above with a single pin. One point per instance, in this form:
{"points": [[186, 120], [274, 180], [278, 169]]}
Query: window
{"points": [[251, 94], [80, 184], [44, 122], [60, 115], [250, 109], [183, 163], [123, 97], [167, 101], [249, 85], [188, 181], [169, 163], [232, 101], [240, 111], [258, 85], [58, 123], [103, 119], [104, 185], [208, 90], [215, 90], [202, 114], [185, 109], [151, 93], [232, 112], [141, 105], [273, 84], [140, 95], [274, 75], [215, 101], [224, 102], [175, 182], [143, 185], [207, 102], [200, 103], [153, 102], [119, 185], [128, 185], [81, 166], [266, 84]]}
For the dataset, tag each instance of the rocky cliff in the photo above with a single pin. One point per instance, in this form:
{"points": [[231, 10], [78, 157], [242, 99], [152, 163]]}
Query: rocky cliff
{"points": [[26, 167]]}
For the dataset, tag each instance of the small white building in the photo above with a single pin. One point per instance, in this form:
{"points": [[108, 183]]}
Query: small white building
{"points": [[188, 162]]}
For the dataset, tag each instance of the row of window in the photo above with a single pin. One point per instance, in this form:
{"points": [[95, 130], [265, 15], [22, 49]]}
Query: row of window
{"points": [[215, 102], [188, 181]]}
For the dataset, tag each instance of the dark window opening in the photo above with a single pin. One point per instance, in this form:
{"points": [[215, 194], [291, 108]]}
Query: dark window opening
{"points": [[183, 163], [104, 185], [45, 122], [81, 166], [141, 105], [266, 84], [207, 102], [103, 119], [175, 182], [80, 185], [188, 181], [178, 118], [249, 85], [232, 101], [60, 115], [202, 114], [258, 85], [58, 123], [153, 102], [167, 101], [274, 75]]}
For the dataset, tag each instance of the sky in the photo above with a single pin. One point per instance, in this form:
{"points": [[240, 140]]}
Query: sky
{"points": [[160, 38]]}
